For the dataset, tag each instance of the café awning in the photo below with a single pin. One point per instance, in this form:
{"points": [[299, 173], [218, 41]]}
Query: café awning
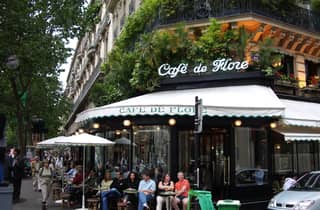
{"points": [[301, 136], [233, 101], [301, 113], [296, 133]]}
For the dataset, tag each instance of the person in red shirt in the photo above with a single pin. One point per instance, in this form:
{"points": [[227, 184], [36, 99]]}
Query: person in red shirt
{"points": [[182, 188], [78, 179]]}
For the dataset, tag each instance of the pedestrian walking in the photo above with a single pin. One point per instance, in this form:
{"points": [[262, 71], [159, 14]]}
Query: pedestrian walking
{"points": [[45, 178], [35, 167], [17, 170]]}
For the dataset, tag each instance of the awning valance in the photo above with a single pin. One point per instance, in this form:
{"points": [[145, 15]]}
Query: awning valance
{"points": [[300, 113], [233, 101], [294, 133], [301, 136]]}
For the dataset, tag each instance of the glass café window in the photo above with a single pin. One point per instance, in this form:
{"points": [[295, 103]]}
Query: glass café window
{"points": [[186, 163], [151, 149], [306, 161], [251, 156], [283, 158]]}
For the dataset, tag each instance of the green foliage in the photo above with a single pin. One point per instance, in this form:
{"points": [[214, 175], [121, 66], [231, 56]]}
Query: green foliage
{"points": [[169, 7], [155, 49], [213, 43], [137, 23], [36, 32], [267, 56], [132, 65], [315, 5], [91, 16]]}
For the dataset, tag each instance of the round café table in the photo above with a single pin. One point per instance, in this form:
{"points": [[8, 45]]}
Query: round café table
{"points": [[168, 195]]}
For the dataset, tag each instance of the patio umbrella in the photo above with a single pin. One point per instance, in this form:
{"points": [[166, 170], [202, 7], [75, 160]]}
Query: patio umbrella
{"points": [[84, 140], [49, 143], [124, 141]]}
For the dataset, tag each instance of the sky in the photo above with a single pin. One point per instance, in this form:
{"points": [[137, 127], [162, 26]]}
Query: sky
{"points": [[63, 76]]}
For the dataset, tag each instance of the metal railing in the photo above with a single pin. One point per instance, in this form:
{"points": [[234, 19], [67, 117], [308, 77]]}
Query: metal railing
{"points": [[192, 10]]}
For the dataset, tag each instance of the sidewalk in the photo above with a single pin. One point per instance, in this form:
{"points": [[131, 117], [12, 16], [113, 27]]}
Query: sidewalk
{"points": [[31, 200]]}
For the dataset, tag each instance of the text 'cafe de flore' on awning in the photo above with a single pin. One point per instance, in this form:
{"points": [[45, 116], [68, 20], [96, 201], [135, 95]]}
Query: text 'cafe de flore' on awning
{"points": [[246, 125]]}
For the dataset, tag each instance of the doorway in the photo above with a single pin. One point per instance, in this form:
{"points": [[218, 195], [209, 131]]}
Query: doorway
{"points": [[214, 162]]}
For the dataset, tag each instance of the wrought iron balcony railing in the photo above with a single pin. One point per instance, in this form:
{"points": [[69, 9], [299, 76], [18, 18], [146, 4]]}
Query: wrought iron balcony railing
{"points": [[192, 10]]}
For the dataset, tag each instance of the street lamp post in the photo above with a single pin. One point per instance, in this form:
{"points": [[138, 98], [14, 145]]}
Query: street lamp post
{"points": [[128, 124]]}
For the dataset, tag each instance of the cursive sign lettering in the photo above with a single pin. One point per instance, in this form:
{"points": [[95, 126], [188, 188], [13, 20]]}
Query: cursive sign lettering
{"points": [[228, 65], [166, 69], [224, 64]]}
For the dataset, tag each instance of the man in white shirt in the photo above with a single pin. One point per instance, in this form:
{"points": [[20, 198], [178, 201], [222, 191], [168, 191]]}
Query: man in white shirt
{"points": [[147, 188], [289, 182]]}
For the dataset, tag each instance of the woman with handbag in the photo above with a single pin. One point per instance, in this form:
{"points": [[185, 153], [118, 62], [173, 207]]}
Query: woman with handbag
{"points": [[46, 179]]}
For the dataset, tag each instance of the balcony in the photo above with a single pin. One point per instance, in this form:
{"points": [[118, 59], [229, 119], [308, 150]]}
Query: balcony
{"points": [[195, 10], [291, 89]]}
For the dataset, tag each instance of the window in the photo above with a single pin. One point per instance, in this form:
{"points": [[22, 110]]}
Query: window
{"points": [[251, 156], [287, 70], [305, 158], [151, 149], [283, 158], [186, 158], [312, 73]]}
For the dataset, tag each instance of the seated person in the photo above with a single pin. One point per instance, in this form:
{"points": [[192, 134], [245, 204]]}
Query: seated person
{"points": [[132, 182], [76, 192], [147, 188], [110, 189], [119, 182], [72, 171], [164, 185], [78, 179], [91, 183], [182, 189]]}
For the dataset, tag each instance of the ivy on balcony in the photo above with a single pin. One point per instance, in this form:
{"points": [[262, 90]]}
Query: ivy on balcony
{"points": [[131, 67]]}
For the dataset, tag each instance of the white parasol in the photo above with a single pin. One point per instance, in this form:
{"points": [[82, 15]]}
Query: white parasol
{"points": [[84, 140], [49, 143], [124, 141]]}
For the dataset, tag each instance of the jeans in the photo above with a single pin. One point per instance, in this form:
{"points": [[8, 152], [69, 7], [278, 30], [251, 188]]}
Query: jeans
{"points": [[143, 199], [105, 195]]}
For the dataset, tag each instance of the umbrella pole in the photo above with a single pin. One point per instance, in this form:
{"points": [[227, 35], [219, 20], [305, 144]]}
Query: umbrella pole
{"points": [[83, 178]]}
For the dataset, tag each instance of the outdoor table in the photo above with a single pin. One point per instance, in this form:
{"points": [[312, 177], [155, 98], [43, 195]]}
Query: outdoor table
{"points": [[167, 195], [130, 191]]}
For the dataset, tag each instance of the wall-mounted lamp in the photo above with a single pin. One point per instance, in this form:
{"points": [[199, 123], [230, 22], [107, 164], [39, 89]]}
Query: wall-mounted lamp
{"points": [[96, 125], [126, 123], [118, 132], [172, 121], [277, 146], [273, 125], [237, 123]]}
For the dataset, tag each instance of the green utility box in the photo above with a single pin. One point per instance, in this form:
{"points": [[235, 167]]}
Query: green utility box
{"points": [[228, 205], [204, 198]]}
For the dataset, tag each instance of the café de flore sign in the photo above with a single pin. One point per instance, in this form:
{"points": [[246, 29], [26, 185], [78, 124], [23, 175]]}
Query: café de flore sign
{"points": [[219, 65]]}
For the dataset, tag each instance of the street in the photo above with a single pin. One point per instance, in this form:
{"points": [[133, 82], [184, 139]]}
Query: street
{"points": [[31, 200]]}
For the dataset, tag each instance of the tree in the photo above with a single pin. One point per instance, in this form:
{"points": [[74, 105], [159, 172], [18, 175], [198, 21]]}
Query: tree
{"points": [[36, 32]]}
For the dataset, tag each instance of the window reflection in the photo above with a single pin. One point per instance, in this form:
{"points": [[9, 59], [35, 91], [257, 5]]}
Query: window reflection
{"points": [[151, 149], [251, 156]]}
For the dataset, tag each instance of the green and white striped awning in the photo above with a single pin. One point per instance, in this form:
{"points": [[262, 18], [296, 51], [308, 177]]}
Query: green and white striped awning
{"points": [[232, 101]]}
